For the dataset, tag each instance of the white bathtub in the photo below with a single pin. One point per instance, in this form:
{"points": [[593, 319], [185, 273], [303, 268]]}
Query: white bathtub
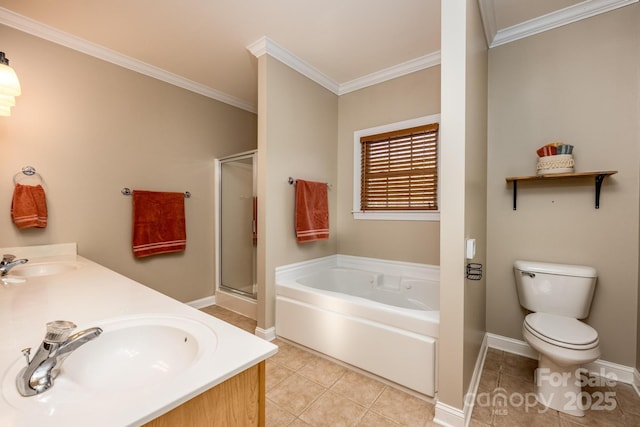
{"points": [[380, 316]]}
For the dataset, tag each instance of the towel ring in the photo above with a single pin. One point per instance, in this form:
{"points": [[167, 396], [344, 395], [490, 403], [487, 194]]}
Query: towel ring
{"points": [[27, 171]]}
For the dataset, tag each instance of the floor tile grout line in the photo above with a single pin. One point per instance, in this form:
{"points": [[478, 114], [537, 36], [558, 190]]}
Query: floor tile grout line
{"points": [[357, 422], [282, 380], [327, 387], [311, 404], [271, 402], [352, 368], [368, 407]]}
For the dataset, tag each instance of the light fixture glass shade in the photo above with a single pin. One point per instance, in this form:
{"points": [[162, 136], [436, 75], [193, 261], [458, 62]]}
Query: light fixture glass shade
{"points": [[5, 111], [7, 101], [9, 83]]}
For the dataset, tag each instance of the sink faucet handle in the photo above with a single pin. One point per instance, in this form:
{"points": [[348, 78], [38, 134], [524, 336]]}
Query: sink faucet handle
{"points": [[7, 258], [26, 352], [58, 331]]}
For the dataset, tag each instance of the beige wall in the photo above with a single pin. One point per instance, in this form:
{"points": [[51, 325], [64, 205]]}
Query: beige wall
{"points": [[91, 128], [307, 132], [578, 84], [297, 138], [403, 98], [463, 167]]}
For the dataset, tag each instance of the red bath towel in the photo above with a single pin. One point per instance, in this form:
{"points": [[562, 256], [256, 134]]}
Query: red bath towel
{"points": [[312, 211], [158, 223], [29, 206]]}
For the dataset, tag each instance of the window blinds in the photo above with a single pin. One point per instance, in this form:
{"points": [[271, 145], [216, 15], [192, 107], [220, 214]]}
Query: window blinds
{"points": [[400, 170]]}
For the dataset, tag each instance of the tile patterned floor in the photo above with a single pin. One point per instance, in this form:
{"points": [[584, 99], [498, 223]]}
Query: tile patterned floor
{"points": [[612, 404], [304, 389]]}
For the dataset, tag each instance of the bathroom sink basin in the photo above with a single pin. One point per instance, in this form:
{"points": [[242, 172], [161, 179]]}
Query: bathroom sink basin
{"points": [[42, 269], [132, 353]]}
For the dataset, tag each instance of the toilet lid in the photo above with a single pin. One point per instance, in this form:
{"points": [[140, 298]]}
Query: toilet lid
{"points": [[561, 329]]}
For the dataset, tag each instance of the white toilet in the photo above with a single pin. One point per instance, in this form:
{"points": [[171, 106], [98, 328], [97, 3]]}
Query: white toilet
{"points": [[558, 295]]}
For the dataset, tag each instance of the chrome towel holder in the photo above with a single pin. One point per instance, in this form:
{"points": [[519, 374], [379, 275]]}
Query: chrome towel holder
{"points": [[292, 181], [28, 171], [126, 191]]}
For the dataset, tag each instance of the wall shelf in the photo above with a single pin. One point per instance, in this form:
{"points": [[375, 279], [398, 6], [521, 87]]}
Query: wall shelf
{"points": [[599, 177]]}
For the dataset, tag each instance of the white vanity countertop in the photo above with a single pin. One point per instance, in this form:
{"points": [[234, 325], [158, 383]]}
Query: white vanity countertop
{"points": [[87, 296]]}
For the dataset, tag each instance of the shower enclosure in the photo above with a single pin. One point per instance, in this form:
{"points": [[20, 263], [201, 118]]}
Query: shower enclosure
{"points": [[236, 230]]}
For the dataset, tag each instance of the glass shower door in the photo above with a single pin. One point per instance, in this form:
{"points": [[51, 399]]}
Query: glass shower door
{"points": [[238, 237]]}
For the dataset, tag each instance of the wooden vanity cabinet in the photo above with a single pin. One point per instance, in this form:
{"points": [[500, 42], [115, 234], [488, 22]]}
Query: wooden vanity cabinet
{"points": [[237, 402]]}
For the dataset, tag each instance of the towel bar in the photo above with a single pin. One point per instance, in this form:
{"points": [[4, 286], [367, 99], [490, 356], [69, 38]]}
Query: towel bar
{"points": [[292, 181], [126, 191]]}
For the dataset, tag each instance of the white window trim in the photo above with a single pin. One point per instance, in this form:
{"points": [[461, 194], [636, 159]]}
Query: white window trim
{"points": [[391, 215]]}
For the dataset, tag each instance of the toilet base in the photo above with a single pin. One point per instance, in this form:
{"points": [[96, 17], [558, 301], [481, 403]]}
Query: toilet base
{"points": [[559, 387]]}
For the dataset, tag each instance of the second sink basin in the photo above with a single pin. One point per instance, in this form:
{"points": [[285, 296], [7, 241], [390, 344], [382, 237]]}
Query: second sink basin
{"points": [[42, 269]]}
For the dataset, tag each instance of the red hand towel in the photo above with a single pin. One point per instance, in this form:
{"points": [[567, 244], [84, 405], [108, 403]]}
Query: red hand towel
{"points": [[29, 206], [312, 211], [158, 223]]}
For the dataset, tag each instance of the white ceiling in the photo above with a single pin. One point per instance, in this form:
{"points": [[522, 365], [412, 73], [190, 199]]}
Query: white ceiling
{"points": [[204, 42]]}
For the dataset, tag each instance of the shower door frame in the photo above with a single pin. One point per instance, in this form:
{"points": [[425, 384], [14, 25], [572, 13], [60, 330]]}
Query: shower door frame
{"points": [[236, 300]]}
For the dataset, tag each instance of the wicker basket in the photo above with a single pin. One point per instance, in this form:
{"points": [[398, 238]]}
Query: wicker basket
{"points": [[561, 163]]}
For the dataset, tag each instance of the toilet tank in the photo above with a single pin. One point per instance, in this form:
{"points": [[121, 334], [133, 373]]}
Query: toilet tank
{"points": [[565, 290]]}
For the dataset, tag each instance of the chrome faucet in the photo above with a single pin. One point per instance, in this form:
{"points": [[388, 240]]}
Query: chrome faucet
{"points": [[57, 345], [8, 263]]}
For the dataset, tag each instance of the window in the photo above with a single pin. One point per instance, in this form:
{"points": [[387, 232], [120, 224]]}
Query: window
{"points": [[396, 171]]}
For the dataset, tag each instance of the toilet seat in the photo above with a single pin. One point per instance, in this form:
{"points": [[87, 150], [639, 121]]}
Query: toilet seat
{"points": [[561, 331]]}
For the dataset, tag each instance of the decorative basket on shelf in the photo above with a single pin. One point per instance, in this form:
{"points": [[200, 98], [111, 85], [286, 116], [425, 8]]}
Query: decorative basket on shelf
{"points": [[555, 158]]}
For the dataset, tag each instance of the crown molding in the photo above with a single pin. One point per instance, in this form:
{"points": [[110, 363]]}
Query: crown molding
{"points": [[556, 19], [488, 14], [399, 70], [258, 48], [38, 29], [267, 46]]}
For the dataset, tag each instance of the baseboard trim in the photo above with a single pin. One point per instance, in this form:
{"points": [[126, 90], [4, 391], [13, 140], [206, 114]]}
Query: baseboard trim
{"points": [[636, 381], [622, 373], [448, 416], [203, 302], [511, 345], [266, 334], [238, 304], [470, 397]]}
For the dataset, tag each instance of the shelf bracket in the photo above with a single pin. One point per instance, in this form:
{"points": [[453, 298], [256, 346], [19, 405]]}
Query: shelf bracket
{"points": [[599, 179], [515, 194]]}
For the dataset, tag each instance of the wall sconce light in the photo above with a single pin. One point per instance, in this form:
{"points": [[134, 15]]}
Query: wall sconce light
{"points": [[9, 86]]}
